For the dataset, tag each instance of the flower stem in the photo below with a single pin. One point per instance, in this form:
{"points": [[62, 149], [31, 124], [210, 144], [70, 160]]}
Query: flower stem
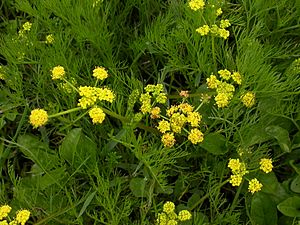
{"points": [[65, 112]]}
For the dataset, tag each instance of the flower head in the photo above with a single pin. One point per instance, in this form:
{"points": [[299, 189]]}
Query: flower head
{"points": [[168, 140], [22, 216], [164, 126], [27, 26], [184, 215], [212, 82], [58, 72], [49, 39], [222, 100], [219, 12], [225, 23], [248, 99], [4, 211], [172, 222], [223, 33], [204, 30], [38, 117], [196, 4], [254, 186], [155, 113], [97, 115], [194, 118], [266, 165], [236, 76], [225, 74], [195, 136], [169, 207], [236, 180], [100, 73]]}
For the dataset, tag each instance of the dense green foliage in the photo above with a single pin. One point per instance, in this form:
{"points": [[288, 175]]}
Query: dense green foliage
{"points": [[71, 171]]}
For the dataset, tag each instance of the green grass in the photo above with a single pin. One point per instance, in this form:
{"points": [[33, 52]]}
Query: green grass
{"points": [[71, 171]]}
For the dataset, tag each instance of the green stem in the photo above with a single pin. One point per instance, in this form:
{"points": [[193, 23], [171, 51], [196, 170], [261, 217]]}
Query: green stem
{"points": [[207, 195], [213, 51], [235, 198], [201, 104], [65, 112]]}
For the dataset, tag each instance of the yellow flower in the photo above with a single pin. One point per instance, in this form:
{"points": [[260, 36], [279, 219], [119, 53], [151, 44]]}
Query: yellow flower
{"points": [[212, 82], [219, 12], [49, 39], [225, 74], [168, 140], [97, 115], [173, 109], [169, 207], [4, 222], [162, 219], [4, 211], [161, 98], [13, 222], [27, 26], [184, 215], [225, 23], [223, 33], [177, 121], [234, 164], [194, 118], [248, 99], [185, 107], [254, 186], [172, 222], [214, 29], [164, 126], [146, 103], [105, 94], [195, 136], [222, 100], [266, 165], [58, 72], [236, 180], [204, 30], [225, 88], [38, 117], [155, 113], [22, 216], [100, 73], [196, 4], [236, 76], [184, 94]]}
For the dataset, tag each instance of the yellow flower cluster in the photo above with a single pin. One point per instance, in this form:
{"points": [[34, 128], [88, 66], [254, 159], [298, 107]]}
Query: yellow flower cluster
{"points": [[58, 72], [215, 30], [170, 217], [100, 73], [4, 211], [248, 99], [97, 115], [153, 93], [219, 12], [22, 216], [254, 186], [25, 28], [238, 170], [196, 4], [90, 95], [178, 116], [224, 90], [49, 39], [38, 117], [266, 165]]}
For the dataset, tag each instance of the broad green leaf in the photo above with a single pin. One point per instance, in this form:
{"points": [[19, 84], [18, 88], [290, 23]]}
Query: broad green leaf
{"points": [[263, 210], [77, 149], [53, 177], [137, 186], [38, 152], [290, 207], [295, 185], [282, 137], [214, 143], [272, 187]]}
